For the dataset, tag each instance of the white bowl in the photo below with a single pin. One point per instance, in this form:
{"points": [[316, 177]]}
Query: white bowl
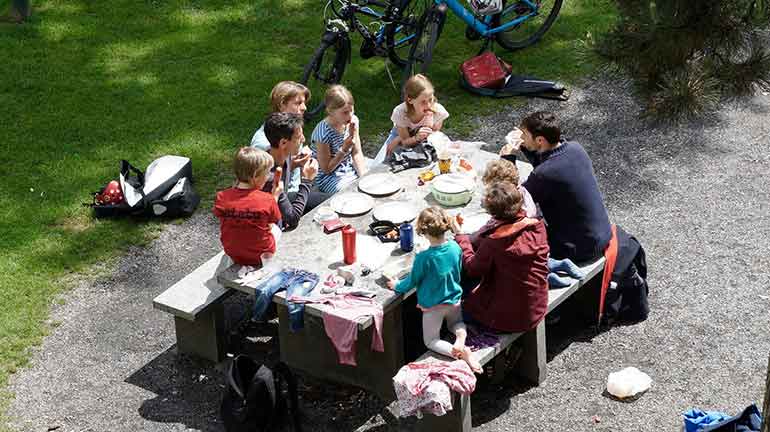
{"points": [[452, 190]]}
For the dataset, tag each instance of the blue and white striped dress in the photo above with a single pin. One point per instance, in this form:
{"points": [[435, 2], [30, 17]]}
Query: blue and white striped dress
{"points": [[344, 173]]}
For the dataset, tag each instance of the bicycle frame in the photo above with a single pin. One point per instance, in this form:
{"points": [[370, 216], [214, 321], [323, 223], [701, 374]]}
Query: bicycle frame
{"points": [[377, 37], [485, 28]]}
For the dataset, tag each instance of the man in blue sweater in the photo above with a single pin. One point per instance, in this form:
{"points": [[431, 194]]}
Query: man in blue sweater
{"points": [[564, 186]]}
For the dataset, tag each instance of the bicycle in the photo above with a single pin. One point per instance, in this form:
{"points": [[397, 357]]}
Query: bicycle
{"points": [[517, 25], [393, 30]]}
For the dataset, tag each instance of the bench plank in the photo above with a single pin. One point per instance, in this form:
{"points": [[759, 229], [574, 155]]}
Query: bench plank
{"points": [[557, 295], [196, 291]]}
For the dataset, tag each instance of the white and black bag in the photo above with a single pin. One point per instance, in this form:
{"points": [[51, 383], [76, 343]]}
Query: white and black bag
{"points": [[164, 189]]}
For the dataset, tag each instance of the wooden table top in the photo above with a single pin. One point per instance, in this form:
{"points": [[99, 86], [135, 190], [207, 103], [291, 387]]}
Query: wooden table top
{"points": [[309, 248]]}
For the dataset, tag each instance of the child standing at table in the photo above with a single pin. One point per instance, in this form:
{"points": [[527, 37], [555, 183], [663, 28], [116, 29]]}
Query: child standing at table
{"points": [[414, 119], [336, 143], [247, 215], [436, 275]]}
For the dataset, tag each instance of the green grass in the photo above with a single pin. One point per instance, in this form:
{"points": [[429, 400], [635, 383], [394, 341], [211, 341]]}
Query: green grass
{"points": [[86, 84]]}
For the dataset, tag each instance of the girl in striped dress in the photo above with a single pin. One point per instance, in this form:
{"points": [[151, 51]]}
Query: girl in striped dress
{"points": [[336, 143]]}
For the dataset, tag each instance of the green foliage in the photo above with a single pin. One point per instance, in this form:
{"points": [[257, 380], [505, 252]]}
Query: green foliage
{"points": [[685, 55]]}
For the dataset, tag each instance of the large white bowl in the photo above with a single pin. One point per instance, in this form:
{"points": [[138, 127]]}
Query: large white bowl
{"points": [[452, 190]]}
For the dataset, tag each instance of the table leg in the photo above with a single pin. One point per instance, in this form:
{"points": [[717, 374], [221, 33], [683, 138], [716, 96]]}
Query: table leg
{"points": [[532, 363], [204, 337], [311, 351]]}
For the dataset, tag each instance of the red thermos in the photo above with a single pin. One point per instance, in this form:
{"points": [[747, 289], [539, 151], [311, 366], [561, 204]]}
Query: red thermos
{"points": [[349, 244]]}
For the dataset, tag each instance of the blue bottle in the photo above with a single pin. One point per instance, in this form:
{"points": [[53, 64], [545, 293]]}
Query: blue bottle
{"points": [[406, 232]]}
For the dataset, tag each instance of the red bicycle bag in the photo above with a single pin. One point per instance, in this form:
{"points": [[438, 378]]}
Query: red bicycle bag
{"points": [[485, 71]]}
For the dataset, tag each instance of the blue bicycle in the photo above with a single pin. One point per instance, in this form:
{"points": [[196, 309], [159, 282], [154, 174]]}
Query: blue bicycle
{"points": [[406, 32], [512, 24]]}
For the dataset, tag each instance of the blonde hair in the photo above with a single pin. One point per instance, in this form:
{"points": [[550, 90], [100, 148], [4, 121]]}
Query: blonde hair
{"points": [[336, 97], [251, 163], [284, 91], [414, 87], [433, 221], [500, 170]]}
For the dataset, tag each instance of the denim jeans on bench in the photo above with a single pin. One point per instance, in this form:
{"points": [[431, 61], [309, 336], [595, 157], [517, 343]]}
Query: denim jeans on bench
{"points": [[295, 282]]}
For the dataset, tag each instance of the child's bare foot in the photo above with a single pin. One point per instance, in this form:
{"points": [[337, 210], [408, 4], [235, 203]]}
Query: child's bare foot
{"points": [[458, 349], [467, 355]]}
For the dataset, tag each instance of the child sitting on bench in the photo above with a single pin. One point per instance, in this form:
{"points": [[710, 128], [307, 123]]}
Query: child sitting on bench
{"points": [[436, 275], [248, 216]]}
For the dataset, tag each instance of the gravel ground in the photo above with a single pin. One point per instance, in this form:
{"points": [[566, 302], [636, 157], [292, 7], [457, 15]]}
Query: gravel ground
{"points": [[696, 196]]}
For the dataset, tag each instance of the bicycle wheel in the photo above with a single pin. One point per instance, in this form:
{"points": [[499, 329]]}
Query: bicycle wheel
{"points": [[530, 30], [400, 34], [325, 69], [421, 52]]}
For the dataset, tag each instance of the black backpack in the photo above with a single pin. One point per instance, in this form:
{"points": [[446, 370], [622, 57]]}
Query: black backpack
{"points": [[627, 300], [520, 85], [254, 400], [419, 156]]}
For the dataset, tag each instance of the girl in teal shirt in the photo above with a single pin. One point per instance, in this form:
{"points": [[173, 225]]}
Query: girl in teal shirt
{"points": [[436, 275]]}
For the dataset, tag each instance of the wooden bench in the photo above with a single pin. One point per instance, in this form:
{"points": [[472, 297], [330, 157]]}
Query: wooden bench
{"points": [[531, 364], [196, 303]]}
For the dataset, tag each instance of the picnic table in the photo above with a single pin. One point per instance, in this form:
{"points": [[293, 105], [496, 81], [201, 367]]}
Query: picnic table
{"points": [[308, 248]]}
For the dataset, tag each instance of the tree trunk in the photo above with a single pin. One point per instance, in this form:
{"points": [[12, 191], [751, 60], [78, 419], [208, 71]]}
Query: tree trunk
{"points": [[766, 408]]}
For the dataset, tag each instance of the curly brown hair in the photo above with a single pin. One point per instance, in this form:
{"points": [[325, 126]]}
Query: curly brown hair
{"points": [[503, 200], [500, 170], [433, 221]]}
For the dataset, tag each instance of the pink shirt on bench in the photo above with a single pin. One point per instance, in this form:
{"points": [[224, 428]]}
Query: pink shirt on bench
{"points": [[340, 318]]}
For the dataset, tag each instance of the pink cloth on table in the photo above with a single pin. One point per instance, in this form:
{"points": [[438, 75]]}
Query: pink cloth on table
{"points": [[341, 322], [426, 386]]}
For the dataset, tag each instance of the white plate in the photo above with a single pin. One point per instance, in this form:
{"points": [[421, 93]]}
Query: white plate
{"points": [[351, 203], [396, 212], [379, 184], [474, 222]]}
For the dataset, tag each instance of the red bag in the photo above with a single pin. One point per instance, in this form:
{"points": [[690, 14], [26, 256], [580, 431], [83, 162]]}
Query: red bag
{"points": [[485, 71], [111, 195]]}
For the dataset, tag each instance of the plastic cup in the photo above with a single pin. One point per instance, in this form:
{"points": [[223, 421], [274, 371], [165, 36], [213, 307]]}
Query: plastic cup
{"points": [[266, 258]]}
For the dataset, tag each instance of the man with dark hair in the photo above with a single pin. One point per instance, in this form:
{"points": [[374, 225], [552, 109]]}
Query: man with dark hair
{"points": [[284, 132], [564, 186]]}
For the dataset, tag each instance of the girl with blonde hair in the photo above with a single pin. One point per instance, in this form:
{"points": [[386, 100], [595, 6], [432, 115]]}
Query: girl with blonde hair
{"points": [[436, 275], [418, 116], [336, 143]]}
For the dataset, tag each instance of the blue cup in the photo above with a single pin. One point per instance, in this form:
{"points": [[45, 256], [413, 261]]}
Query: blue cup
{"points": [[406, 232]]}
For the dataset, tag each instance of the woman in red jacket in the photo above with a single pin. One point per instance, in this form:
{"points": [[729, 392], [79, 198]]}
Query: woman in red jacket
{"points": [[511, 258]]}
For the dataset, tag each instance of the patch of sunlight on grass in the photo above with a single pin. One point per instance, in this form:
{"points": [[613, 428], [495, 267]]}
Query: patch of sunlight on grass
{"points": [[225, 75], [144, 79], [270, 62], [196, 17], [68, 7], [119, 57], [187, 142], [59, 31]]}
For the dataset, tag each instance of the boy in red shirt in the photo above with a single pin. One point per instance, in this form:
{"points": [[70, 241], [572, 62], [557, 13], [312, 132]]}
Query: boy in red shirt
{"points": [[246, 213]]}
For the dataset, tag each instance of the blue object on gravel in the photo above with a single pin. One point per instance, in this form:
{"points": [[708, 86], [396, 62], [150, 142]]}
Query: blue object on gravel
{"points": [[695, 419], [749, 420]]}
